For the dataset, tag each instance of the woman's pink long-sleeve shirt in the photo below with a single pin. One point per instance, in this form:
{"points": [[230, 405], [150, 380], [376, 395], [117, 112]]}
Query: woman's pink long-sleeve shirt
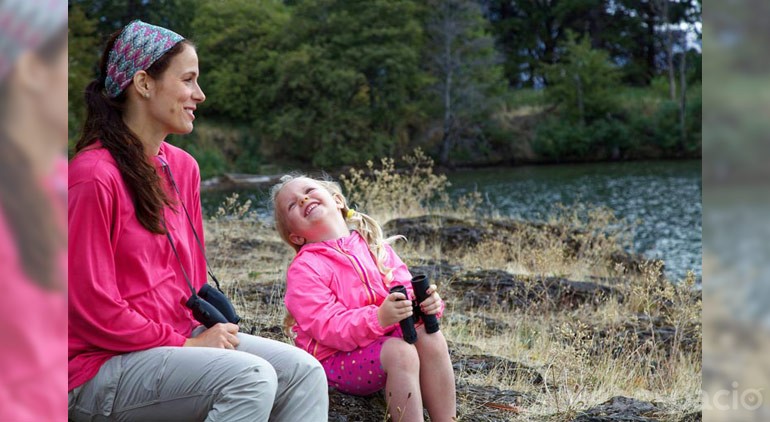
{"points": [[333, 291], [126, 288]]}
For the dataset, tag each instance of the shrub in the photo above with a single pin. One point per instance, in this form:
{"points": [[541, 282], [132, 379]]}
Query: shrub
{"points": [[561, 140], [389, 192]]}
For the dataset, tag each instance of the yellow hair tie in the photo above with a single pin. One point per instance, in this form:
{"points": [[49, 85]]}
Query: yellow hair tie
{"points": [[349, 214]]}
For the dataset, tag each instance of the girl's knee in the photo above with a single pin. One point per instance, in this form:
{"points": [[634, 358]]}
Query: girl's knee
{"points": [[398, 355], [432, 344]]}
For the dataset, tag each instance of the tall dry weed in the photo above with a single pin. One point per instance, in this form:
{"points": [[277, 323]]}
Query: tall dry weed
{"points": [[388, 191]]}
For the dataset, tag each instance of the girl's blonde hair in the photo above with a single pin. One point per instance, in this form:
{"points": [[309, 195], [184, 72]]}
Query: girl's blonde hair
{"points": [[365, 225]]}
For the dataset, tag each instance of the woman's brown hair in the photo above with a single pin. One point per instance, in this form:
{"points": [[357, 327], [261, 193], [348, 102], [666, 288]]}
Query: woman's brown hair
{"points": [[104, 123]]}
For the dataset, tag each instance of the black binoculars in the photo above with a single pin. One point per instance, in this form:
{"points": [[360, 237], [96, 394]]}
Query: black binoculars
{"points": [[420, 285], [210, 307]]}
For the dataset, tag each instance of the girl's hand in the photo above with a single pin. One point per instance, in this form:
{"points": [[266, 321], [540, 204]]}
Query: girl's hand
{"points": [[395, 308], [219, 336], [431, 305]]}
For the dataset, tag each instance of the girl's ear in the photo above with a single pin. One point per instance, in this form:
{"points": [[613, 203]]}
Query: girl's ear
{"points": [[297, 240], [339, 201]]}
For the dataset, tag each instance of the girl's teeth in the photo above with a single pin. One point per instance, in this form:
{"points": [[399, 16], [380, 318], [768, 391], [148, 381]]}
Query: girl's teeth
{"points": [[310, 208]]}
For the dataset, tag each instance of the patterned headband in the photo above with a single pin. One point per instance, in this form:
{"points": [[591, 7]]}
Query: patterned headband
{"points": [[25, 25], [136, 48]]}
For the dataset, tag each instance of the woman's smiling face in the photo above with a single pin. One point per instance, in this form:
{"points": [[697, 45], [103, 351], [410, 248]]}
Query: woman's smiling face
{"points": [[177, 94]]}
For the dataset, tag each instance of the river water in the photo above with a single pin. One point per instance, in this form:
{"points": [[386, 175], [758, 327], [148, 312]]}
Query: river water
{"points": [[662, 198]]}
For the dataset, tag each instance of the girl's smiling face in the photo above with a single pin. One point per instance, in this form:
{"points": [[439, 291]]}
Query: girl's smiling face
{"points": [[309, 210]]}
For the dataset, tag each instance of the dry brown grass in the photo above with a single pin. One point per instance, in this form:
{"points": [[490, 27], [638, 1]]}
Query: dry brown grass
{"points": [[386, 191], [586, 355], [585, 369]]}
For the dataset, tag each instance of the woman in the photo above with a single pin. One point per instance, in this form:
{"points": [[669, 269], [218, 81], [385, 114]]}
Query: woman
{"points": [[135, 351]]}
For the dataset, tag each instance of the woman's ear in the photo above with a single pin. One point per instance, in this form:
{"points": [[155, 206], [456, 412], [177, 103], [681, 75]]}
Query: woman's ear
{"points": [[297, 240], [142, 84]]}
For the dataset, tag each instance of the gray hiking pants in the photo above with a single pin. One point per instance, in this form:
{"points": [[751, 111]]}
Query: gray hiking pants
{"points": [[262, 380]]}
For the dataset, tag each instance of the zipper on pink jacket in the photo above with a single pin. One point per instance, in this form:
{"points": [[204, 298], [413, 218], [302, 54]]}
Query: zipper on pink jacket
{"points": [[360, 271]]}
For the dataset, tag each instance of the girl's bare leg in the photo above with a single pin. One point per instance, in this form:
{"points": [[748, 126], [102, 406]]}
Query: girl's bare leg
{"points": [[402, 389], [437, 378]]}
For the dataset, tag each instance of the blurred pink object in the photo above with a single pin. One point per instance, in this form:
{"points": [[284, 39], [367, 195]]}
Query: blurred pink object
{"points": [[33, 304], [33, 329]]}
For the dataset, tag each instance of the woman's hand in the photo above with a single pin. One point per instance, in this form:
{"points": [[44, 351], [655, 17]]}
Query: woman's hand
{"points": [[220, 336], [395, 308], [431, 305]]}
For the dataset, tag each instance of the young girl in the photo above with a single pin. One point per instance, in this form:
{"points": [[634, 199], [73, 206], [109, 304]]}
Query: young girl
{"points": [[338, 294]]}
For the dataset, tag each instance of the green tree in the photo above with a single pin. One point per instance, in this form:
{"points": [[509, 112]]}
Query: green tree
{"points": [[365, 67], [529, 32], [582, 82], [111, 15], [633, 32], [326, 82], [463, 61], [83, 58], [239, 47]]}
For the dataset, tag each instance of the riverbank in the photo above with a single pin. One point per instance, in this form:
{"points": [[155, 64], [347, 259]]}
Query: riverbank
{"points": [[270, 174], [545, 321], [660, 201]]}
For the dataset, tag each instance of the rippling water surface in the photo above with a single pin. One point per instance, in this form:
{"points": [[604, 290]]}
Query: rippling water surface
{"points": [[663, 197]]}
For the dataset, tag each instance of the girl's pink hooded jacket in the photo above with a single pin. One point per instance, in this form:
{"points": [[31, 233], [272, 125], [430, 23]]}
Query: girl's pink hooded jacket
{"points": [[333, 291]]}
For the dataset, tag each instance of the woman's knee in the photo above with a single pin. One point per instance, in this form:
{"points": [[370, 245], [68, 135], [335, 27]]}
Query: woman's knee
{"points": [[308, 368], [251, 373], [249, 392], [398, 355], [314, 368]]}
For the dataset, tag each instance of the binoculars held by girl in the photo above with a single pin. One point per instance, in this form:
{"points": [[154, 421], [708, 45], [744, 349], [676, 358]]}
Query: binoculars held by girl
{"points": [[420, 285]]}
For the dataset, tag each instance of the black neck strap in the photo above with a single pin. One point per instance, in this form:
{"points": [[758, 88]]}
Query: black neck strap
{"points": [[173, 248], [167, 169]]}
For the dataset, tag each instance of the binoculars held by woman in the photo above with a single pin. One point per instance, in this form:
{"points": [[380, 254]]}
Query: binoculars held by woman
{"points": [[420, 285], [210, 307]]}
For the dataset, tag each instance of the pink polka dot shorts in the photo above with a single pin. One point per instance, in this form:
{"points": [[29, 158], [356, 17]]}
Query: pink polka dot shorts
{"points": [[358, 372]]}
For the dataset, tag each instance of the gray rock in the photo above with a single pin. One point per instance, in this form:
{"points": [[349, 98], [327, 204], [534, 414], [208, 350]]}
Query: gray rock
{"points": [[618, 409], [485, 288]]}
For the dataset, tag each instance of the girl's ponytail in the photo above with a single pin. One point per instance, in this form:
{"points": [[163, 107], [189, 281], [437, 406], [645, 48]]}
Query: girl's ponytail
{"points": [[372, 232]]}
